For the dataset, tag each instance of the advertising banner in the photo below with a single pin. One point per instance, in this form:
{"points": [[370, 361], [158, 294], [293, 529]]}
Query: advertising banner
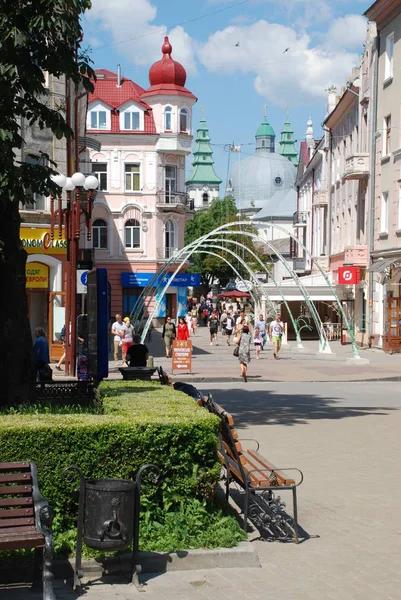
{"points": [[38, 241], [182, 356], [142, 279], [349, 275], [37, 276]]}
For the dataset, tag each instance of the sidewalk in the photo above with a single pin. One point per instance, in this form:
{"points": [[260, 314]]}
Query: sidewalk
{"points": [[217, 363]]}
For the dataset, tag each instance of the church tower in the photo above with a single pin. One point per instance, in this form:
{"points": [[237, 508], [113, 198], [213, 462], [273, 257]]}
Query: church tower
{"points": [[265, 136], [287, 143], [203, 184]]}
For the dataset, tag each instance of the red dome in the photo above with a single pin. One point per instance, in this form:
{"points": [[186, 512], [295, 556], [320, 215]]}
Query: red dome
{"points": [[167, 70]]}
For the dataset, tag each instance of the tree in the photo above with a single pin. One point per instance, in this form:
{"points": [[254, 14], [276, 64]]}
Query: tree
{"points": [[210, 267], [35, 37]]}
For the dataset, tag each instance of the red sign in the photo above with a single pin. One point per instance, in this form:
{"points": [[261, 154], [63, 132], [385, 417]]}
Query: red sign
{"points": [[349, 275], [182, 356]]}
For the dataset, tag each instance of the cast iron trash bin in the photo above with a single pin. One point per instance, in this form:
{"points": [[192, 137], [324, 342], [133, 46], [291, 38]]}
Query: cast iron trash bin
{"points": [[108, 517]]}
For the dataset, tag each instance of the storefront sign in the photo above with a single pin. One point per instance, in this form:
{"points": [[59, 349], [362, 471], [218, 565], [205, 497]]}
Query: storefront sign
{"points": [[349, 275], [142, 279], [37, 276], [38, 241], [182, 356]]}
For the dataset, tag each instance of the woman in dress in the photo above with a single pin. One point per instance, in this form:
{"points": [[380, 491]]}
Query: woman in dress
{"points": [[126, 340], [194, 320], [182, 329], [244, 355], [168, 335]]}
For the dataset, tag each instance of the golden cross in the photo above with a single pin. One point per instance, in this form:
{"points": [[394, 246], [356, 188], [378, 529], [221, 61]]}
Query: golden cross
{"points": [[265, 107], [203, 110]]}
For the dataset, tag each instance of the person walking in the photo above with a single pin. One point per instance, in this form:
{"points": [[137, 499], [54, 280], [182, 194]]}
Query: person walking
{"points": [[257, 341], [194, 321], [117, 329], [213, 327], [127, 339], [261, 323], [276, 334], [168, 335], [229, 328], [62, 340], [41, 356], [182, 330], [244, 355], [188, 320]]}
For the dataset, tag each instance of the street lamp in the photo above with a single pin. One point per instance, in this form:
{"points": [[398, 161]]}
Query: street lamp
{"points": [[80, 196]]}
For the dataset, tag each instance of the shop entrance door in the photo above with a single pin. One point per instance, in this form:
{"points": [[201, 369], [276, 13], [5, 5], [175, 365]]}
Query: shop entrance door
{"points": [[171, 306], [37, 310], [392, 337], [56, 323]]}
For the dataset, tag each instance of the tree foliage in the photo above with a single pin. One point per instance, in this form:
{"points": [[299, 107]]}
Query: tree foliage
{"points": [[35, 37], [211, 267]]}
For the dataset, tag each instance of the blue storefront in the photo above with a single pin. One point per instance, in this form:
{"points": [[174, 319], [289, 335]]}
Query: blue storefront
{"points": [[173, 303]]}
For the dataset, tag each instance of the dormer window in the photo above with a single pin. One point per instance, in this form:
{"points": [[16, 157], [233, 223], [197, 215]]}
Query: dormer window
{"points": [[167, 118], [131, 120], [183, 120], [98, 116], [131, 117]]}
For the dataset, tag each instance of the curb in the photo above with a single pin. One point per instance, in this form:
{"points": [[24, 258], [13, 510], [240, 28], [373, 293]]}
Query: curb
{"points": [[188, 379]]}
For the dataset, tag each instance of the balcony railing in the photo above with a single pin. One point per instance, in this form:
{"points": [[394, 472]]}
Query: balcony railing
{"points": [[165, 253], [320, 197], [299, 264], [357, 166], [299, 218], [171, 201]]}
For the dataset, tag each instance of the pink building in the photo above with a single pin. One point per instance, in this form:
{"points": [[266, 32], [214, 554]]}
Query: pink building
{"points": [[141, 205]]}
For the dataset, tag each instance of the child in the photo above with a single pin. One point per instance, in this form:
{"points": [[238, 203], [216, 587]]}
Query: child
{"points": [[257, 341]]}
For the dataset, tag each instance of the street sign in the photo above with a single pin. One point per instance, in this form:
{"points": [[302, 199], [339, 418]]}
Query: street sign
{"points": [[349, 275], [82, 281], [182, 356]]}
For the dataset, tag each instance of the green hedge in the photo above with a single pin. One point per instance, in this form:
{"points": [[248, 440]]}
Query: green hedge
{"points": [[139, 423]]}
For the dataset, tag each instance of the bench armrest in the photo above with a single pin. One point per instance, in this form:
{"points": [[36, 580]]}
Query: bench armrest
{"points": [[44, 513], [282, 470], [250, 440]]}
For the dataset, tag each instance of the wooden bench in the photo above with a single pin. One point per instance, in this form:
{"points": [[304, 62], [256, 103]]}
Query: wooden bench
{"points": [[143, 373], [259, 479], [26, 520]]}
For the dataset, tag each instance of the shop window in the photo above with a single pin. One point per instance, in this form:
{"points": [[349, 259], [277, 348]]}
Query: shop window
{"points": [[99, 234], [132, 232]]}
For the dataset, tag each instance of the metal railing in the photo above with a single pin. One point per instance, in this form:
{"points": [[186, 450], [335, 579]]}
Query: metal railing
{"points": [[167, 198]]}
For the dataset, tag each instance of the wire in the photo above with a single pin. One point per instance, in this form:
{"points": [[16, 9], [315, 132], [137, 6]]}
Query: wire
{"points": [[161, 28]]}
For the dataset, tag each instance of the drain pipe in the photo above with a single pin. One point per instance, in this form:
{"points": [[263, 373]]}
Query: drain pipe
{"points": [[372, 191]]}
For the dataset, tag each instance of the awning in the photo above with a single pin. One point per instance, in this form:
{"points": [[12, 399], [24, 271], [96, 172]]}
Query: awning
{"points": [[381, 265]]}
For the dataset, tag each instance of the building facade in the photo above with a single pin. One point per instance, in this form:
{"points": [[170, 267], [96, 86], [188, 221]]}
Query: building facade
{"points": [[141, 205]]}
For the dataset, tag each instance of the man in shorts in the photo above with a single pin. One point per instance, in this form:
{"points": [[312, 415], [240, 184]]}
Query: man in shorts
{"points": [[261, 323], [276, 334]]}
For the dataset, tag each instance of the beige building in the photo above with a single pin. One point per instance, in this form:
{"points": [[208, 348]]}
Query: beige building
{"points": [[385, 243]]}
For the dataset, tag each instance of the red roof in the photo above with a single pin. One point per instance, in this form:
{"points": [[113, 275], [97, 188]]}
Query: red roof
{"points": [[167, 76], [106, 91]]}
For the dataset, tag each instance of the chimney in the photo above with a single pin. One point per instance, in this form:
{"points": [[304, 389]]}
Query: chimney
{"points": [[118, 76], [331, 99]]}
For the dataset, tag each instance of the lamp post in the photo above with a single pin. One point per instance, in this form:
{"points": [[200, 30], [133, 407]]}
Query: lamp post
{"points": [[80, 196]]}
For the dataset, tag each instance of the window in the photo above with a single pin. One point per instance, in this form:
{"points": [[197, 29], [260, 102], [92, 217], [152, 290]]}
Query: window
{"points": [[171, 183], [205, 199], [388, 68], [384, 213], [98, 119], [183, 120], [399, 206], [132, 234], [99, 234], [263, 143], [131, 120], [34, 200], [100, 171], [278, 181], [387, 135], [169, 239], [167, 118], [132, 178], [204, 134]]}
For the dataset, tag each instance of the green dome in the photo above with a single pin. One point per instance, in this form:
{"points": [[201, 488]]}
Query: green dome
{"points": [[265, 130]]}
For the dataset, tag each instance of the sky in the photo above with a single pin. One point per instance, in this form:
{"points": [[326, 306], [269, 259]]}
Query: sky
{"points": [[239, 55]]}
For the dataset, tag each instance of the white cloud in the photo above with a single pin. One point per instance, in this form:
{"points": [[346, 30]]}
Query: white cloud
{"points": [[299, 75], [132, 20], [347, 32]]}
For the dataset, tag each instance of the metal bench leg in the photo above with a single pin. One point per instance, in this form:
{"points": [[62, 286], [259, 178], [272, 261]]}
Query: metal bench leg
{"points": [[48, 592], [295, 507], [246, 507], [37, 582]]}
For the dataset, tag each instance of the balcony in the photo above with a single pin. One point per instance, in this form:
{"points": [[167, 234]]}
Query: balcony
{"points": [[320, 197], [356, 256], [173, 202], [165, 253], [299, 264], [357, 166], [299, 219]]}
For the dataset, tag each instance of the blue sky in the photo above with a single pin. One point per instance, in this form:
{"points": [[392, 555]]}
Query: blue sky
{"points": [[232, 82]]}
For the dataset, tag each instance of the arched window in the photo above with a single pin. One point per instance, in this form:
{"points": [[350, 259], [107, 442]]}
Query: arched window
{"points": [[205, 199], [167, 118], [99, 234], [183, 120], [169, 239], [132, 234]]}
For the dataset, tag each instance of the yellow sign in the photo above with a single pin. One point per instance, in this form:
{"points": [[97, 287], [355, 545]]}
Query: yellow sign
{"points": [[37, 276], [38, 241]]}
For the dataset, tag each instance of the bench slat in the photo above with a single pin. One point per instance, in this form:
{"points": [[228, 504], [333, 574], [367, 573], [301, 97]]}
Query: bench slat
{"points": [[16, 522], [282, 477], [27, 540], [15, 489], [18, 531], [13, 466], [16, 512], [13, 477], [27, 501]]}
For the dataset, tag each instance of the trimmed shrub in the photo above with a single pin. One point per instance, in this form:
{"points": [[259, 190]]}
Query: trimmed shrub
{"points": [[137, 423]]}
